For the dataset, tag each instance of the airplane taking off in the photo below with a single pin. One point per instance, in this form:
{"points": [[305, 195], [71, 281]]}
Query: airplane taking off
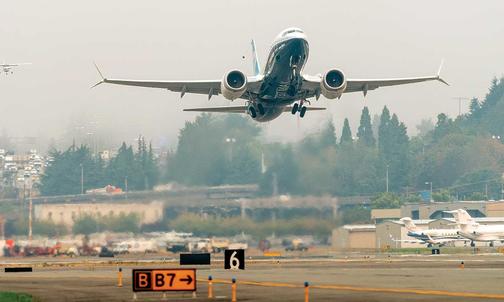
{"points": [[474, 231], [7, 68], [281, 87], [431, 236]]}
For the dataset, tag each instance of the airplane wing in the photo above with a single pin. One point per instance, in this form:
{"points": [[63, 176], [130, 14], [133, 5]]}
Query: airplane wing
{"points": [[206, 87], [241, 109], [408, 240], [311, 84]]}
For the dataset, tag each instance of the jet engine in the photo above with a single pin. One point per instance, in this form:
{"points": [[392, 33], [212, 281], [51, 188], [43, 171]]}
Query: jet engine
{"points": [[333, 84], [233, 84]]}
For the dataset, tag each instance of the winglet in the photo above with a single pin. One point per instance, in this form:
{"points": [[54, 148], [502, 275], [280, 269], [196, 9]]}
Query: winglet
{"points": [[103, 79], [439, 73], [256, 66]]}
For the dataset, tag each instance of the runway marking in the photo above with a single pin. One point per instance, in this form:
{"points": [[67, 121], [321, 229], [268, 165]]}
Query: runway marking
{"points": [[368, 289]]}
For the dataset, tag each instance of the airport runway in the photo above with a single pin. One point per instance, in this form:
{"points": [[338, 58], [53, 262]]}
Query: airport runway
{"points": [[398, 278]]}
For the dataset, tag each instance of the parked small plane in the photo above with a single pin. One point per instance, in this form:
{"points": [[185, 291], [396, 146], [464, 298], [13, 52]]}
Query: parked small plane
{"points": [[474, 231], [430, 236], [7, 68], [281, 87]]}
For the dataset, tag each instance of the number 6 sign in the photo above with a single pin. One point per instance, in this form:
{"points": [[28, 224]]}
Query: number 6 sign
{"points": [[234, 259]]}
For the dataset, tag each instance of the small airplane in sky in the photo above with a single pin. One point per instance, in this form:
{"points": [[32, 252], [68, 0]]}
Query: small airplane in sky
{"points": [[8, 68], [280, 87]]}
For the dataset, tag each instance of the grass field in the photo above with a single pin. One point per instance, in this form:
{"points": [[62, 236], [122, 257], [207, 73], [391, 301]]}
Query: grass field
{"points": [[15, 297]]}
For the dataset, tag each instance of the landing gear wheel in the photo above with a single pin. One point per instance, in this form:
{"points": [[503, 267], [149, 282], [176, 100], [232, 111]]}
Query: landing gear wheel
{"points": [[252, 112], [491, 244], [295, 108], [260, 108], [472, 244], [303, 111]]}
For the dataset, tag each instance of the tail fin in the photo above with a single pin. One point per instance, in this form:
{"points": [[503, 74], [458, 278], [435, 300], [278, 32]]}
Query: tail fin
{"points": [[408, 223], [256, 67], [461, 216]]}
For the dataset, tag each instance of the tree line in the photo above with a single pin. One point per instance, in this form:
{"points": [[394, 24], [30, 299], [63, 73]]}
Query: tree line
{"points": [[461, 157], [78, 166]]}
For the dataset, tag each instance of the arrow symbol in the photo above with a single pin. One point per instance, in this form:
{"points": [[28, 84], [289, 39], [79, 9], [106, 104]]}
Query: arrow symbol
{"points": [[189, 279]]}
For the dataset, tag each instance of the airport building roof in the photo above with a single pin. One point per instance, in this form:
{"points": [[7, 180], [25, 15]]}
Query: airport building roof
{"points": [[481, 219], [359, 227], [417, 221]]}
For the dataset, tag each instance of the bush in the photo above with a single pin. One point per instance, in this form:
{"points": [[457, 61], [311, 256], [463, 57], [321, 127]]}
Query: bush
{"points": [[49, 228], [123, 223], [85, 225], [213, 226]]}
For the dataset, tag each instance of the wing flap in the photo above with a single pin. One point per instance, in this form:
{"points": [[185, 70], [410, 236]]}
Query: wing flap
{"points": [[199, 87]]}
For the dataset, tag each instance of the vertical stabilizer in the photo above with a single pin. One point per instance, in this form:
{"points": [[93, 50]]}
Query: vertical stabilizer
{"points": [[463, 220], [408, 223], [256, 66]]}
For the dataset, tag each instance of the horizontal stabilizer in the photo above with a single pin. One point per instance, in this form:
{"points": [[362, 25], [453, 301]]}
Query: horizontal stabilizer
{"points": [[229, 109]]}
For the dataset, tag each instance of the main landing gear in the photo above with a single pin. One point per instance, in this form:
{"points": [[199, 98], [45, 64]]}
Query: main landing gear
{"points": [[299, 108], [253, 110]]}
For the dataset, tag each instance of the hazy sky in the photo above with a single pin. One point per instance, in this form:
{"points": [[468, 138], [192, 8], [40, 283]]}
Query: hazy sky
{"points": [[204, 39]]}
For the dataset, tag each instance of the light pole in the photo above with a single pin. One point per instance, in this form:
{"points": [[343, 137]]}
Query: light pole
{"points": [[460, 98], [430, 183], [82, 179], [126, 186], [386, 179], [230, 141]]}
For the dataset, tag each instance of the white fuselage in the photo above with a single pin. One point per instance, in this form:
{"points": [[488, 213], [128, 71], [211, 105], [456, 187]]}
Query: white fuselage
{"points": [[483, 232]]}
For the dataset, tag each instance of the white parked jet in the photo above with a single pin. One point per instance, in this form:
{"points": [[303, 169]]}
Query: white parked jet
{"points": [[7, 68], [280, 87], [430, 236], [474, 231]]}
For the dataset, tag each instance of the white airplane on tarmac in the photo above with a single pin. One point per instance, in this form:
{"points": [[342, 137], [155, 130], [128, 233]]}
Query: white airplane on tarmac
{"points": [[474, 231], [431, 236], [280, 87], [7, 68]]}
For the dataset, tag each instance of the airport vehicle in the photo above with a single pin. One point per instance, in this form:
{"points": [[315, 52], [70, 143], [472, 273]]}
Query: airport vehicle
{"points": [[280, 87], [7, 68], [218, 245], [431, 236], [296, 245], [474, 231]]}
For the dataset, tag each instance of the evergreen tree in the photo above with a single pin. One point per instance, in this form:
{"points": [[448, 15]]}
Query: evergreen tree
{"points": [[393, 148], [328, 135], [365, 131], [346, 134], [63, 175], [474, 107], [123, 168], [398, 154], [384, 134]]}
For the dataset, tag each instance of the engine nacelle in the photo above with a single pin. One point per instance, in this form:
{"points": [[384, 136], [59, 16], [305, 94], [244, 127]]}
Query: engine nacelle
{"points": [[333, 84], [233, 84]]}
